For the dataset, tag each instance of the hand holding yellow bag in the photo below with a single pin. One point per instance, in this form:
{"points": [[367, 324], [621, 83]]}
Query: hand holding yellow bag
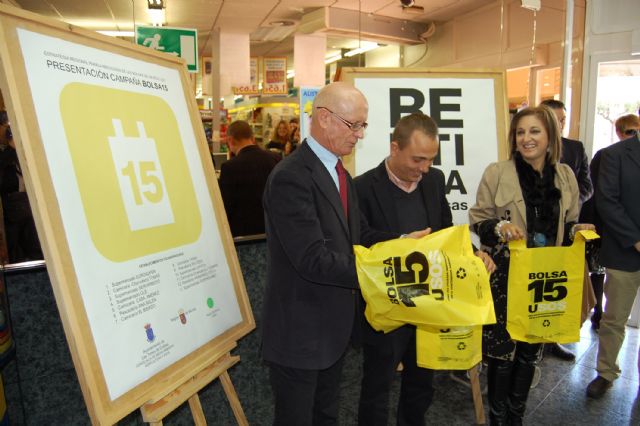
{"points": [[435, 280], [544, 297]]}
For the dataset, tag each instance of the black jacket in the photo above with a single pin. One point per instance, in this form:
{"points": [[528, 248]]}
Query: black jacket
{"points": [[311, 298], [574, 156], [618, 203], [242, 181]]}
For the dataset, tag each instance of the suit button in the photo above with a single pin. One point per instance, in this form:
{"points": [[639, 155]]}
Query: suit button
{"points": [[353, 291]]}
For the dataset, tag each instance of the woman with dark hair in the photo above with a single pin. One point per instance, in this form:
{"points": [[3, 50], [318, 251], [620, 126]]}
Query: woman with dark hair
{"points": [[530, 196]]}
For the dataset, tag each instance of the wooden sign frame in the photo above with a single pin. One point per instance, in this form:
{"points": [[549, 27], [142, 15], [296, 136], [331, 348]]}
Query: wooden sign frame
{"points": [[47, 214], [349, 74]]}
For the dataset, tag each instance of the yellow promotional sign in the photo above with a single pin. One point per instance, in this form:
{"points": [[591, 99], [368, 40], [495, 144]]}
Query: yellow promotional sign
{"points": [[545, 291], [135, 185], [454, 348], [435, 280]]}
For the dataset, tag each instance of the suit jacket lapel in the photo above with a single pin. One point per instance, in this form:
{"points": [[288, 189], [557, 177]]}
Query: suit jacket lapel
{"points": [[383, 194], [327, 187]]}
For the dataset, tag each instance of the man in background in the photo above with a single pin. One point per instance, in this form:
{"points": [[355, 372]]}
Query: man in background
{"points": [[403, 193], [618, 205], [242, 180], [574, 156]]}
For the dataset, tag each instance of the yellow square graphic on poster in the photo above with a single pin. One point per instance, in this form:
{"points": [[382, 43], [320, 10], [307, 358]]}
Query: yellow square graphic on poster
{"points": [[132, 171]]}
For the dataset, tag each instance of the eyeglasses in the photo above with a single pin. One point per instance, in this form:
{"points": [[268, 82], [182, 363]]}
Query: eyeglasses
{"points": [[630, 132], [354, 127]]}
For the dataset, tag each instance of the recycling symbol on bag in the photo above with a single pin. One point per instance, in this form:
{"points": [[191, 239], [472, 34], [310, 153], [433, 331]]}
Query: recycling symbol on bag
{"points": [[461, 346], [546, 323], [461, 273]]}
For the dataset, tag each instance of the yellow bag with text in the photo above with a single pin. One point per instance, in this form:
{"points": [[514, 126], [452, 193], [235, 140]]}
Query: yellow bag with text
{"points": [[435, 280], [544, 297], [453, 348]]}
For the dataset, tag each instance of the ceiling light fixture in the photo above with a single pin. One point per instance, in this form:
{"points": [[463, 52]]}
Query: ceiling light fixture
{"points": [[365, 47], [156, 12], [333, 58], [155, 4]]}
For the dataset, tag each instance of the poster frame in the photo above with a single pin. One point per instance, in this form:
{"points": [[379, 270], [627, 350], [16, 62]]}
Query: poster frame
{"points": [[47, 216]]}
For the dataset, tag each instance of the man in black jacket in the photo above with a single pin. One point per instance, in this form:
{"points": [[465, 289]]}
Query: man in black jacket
{"points": [[242, 180], [619, 206], [403, 193]]}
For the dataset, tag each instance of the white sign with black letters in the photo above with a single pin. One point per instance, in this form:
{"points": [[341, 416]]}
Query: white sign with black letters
{"points": [[463, 108]]}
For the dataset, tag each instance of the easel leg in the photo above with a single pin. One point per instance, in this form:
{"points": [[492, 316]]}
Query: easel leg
{"points": [[232, 396], [474, 377], [196, 411]]}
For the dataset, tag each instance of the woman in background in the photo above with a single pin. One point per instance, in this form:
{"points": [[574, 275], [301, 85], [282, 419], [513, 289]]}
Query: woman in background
{"points": [[530, 196], [280, 137]]}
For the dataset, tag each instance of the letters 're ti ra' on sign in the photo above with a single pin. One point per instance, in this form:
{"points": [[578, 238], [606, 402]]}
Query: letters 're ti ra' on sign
{"points": [[140, 177]]}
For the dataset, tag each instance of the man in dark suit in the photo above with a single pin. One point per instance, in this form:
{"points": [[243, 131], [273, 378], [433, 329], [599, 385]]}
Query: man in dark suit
{"points": [[404, 192], [574, 156], [242, 180], [618, 204], [312, 303], [573, 152]]}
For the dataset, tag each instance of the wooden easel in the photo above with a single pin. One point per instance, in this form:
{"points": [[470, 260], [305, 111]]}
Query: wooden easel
{"points": [[154, 411], [476, 392]]}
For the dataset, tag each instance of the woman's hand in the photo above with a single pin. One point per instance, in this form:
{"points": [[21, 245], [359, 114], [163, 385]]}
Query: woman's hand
{"points": [[510, 232], [486, 259]]}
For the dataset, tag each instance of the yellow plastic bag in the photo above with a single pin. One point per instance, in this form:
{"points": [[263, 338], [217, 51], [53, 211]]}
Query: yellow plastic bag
{"points": [[455, 348], [435, 280], [545, 291]]}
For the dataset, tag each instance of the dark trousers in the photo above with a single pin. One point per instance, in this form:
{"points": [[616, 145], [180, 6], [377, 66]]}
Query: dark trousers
{"points": [[306, 397], [379, 369], [509, 383]]}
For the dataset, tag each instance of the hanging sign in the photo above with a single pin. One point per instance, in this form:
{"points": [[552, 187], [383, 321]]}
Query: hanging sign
{"points": [[182, 42], [274, 80], [252, 88]]}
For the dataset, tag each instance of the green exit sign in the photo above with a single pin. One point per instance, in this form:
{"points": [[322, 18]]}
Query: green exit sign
{"points": [[182, 42]]}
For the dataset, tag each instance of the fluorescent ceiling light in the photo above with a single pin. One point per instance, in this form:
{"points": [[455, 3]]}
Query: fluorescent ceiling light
{"points": [[364, 47], [117, 33], [333, 58]]}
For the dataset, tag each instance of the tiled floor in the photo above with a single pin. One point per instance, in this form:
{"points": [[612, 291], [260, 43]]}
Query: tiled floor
{"points": [[46, 390]]}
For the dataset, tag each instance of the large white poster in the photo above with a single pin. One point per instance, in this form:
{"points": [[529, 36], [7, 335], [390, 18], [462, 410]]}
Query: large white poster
{"points": [[135, 205], [463, 108]]}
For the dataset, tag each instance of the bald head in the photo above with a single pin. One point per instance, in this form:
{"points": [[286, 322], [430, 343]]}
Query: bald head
{"points": [[335, 109]]}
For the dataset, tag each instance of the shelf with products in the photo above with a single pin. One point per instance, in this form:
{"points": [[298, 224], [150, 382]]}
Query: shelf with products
{"points": [[264, 113]]}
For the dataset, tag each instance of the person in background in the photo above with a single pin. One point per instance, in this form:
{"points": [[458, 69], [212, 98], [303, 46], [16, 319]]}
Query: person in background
{"points": [[20, 229], [294, 136], [575, 156], [618, 204], [4, 124], [242, 180], [403, 193], [280, 137], [531, 196], [312, 299], [626, 126]]}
